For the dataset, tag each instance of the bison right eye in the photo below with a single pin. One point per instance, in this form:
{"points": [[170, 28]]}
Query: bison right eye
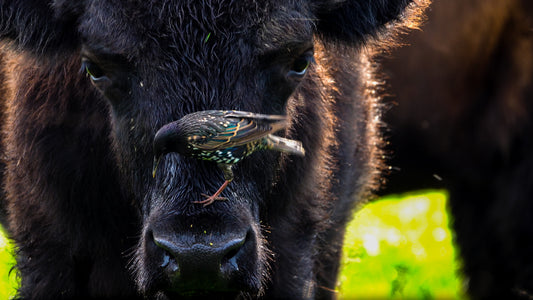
{"points": [[300, 65]]}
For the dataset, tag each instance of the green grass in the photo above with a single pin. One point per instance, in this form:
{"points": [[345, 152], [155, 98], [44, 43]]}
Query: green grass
{"points": [[395, 248]]}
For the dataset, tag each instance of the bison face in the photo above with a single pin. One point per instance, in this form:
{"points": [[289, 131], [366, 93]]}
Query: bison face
{"points": [[194, 57]]}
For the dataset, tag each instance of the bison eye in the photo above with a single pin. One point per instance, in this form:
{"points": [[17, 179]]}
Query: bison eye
{"points": [[300, 65], [94, 72]]}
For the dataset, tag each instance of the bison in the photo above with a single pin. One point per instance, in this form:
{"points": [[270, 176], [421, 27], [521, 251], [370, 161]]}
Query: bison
{"points": [[86, 85], [464, 122]]}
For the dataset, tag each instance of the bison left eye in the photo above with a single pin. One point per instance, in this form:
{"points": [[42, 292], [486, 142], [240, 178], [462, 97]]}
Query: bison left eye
{"points": [[94, 72], [300, 65]]}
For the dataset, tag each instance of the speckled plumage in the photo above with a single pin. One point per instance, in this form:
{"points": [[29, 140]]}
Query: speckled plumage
{"points": [[224, 137]]}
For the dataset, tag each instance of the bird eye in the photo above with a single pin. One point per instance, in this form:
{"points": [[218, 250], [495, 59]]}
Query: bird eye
{"points": [[93, 71], [300, 65]]}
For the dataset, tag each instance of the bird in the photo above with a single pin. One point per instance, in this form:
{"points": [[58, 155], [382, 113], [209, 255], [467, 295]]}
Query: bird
{"points": [[224, 137]]}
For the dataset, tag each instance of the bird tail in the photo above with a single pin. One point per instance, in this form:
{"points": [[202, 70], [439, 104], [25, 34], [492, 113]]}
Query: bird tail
{"points": [[285, 145]]}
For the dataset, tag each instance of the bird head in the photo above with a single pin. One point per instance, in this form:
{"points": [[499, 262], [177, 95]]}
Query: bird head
{"points": [[168, 138]]}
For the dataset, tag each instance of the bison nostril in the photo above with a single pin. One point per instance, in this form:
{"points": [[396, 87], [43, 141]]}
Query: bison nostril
{"points": [[231, 253], [165, 245], [167, 260], [232, 250]]}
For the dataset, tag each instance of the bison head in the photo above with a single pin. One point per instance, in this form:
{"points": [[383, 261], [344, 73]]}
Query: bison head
{"points": [[148, 63]]}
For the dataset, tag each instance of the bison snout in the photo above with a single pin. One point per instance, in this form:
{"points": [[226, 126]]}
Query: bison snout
{"points": [[201, 258], [206, 262]]}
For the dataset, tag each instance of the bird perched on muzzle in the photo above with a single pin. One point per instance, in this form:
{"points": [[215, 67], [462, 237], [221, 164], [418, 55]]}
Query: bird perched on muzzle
{"points": [[222, 136]]}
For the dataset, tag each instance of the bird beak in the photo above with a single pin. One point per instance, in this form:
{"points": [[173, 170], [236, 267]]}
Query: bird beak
{"points": [[156, 163]]}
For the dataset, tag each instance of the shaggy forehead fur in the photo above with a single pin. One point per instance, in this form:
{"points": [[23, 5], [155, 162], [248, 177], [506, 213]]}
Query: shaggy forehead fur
{"points": [[188, 25], [202, 44]]}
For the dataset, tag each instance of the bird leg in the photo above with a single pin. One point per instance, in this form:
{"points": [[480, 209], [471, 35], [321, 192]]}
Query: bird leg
{"points": [[228, 177], [211, 199]]}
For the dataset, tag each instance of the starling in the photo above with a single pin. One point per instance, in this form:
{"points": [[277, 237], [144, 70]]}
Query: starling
{"points": [[222, 136]]}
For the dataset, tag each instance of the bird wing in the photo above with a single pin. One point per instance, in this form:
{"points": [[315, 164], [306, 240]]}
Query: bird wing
{"points": [[235, 130], [274, 122], [251, 115]]}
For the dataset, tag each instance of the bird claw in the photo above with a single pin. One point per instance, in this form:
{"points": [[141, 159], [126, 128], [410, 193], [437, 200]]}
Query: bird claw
{"points": [[210, 199]]}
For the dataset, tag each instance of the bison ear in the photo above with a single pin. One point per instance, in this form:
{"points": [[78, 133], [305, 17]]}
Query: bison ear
{"points": [[40, 25], [352, 21]]}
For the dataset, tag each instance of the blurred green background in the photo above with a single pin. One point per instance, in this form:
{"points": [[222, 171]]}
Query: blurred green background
{"points": [[400, 247], [397, 247], [8, 278]]}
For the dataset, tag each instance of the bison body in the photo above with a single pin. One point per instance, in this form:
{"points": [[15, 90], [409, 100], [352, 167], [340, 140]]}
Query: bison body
{"points": [[463, 122], [87, 84]]}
